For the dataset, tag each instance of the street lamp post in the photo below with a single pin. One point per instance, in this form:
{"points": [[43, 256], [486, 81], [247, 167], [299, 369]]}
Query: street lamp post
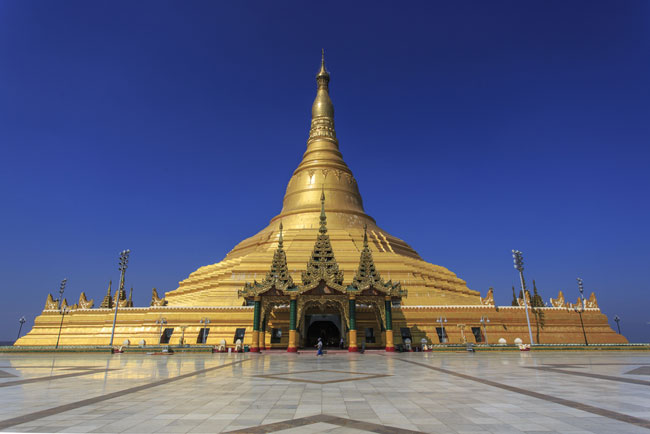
{"points": [[484, 321], [205, 322], [123, 264], [22, 321], [519, 266], [442, 320], [160, 321], [618, 320], [582, 308]]}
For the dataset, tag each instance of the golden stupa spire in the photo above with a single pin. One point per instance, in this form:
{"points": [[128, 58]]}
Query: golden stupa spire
{"points": [[322, 165], [322, 111]]}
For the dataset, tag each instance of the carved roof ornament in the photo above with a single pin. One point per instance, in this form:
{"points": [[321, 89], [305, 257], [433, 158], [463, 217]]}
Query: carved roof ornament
{"points": [[559, 301], [489, 298], [277, 278], [367, 276], [84, 303], [322, 265], [107, 303], [591, 302], [51, 303], [156, 300]]}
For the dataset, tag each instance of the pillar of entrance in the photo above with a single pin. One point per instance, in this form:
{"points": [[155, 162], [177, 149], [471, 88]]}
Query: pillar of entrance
{"points": [[390, 346], [264, 335], [352, 340], [293, 307], [255, 346]]}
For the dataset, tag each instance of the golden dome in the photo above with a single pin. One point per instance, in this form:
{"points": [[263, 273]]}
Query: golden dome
{"points": [[322, 169]]}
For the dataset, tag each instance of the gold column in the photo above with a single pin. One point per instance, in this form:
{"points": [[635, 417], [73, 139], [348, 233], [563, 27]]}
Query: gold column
{"points": [[293, 345], [390, 346], [255, 345], [352, 340]]}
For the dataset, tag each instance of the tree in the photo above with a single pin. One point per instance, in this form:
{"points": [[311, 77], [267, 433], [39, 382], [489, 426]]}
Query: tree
{"points": [[536, 302]]}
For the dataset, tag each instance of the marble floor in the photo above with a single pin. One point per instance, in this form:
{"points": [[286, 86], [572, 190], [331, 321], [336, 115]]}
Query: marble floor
{"points": [[509, 392]]}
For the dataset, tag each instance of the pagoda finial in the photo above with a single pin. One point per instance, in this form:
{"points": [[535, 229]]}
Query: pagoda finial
{"points": [[280, 240], [323, 217], [110, 283], [365, 235], [322, 111], [323, 75]]}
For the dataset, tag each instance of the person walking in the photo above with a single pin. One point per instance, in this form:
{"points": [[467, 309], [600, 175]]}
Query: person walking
{"points": [[319, 345]]}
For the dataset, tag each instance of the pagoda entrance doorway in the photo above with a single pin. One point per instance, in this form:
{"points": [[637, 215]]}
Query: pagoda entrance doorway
{"points": [[327, 327]]}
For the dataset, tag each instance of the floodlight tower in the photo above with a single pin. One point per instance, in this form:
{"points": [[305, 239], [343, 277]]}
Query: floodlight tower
{"points": [[519, 266], [582, 308], [123, 264]]}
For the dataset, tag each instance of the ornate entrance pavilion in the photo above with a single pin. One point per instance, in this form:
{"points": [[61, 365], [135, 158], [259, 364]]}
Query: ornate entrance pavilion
{"points": [[322, 291]]}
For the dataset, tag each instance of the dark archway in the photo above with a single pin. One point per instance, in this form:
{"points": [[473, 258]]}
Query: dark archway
{"points": [[326, 330]]}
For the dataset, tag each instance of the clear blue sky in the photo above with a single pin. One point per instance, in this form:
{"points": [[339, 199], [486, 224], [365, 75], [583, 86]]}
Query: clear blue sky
{"points": [[172, 128]]}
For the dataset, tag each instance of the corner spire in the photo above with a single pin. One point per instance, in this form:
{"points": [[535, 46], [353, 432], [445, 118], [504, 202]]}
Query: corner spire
{"points": [[278, 276], [108, 300], [367, 276]]}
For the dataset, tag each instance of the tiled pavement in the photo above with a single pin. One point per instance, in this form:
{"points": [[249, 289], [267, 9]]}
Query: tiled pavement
{"points": [[566, 392]]}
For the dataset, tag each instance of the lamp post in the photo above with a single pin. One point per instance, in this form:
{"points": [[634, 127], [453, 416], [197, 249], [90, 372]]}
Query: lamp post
{"points": [[205, 322], [61, 289], [616, 318], [582, 308], [22, 321], [519, 266], [160, 321], [485, 320], [62, 309], [123, 264], [442, 320]]}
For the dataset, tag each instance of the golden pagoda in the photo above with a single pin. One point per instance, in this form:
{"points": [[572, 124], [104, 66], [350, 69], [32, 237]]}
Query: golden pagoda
{"points": [[321, 248]]}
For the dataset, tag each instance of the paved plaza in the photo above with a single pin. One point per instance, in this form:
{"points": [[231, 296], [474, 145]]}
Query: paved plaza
{"points": [[504, 392]]}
